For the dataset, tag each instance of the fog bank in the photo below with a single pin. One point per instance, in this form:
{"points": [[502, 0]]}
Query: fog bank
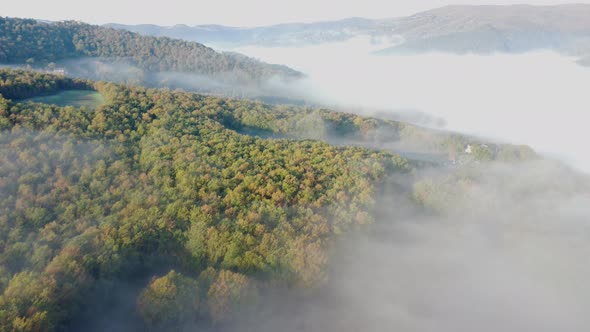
{"points": [[505, 252], [538, 99]]}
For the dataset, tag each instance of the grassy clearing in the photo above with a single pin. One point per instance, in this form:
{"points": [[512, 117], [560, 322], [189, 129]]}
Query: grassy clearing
{"points": [[76, 98]]}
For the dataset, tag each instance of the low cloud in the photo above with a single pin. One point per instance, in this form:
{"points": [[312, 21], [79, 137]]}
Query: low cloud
{"points": [[539, 99], [233, 83], [506, 252]]}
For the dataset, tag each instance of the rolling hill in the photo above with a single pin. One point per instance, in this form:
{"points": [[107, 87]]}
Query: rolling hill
{"points": [[488, 29], [456, 29], [95, 52], [176, 198]]}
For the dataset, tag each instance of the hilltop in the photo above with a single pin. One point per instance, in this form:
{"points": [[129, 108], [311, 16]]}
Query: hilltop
{"points": [[96, 52]]}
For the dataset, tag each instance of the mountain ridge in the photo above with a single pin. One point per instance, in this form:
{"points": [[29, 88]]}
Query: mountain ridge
{"points": [[38, 44], [480, 29]]}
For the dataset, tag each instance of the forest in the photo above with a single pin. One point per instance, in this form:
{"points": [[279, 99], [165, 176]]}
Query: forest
{"points": [[39, 44], [152, 176], [165, 190]]}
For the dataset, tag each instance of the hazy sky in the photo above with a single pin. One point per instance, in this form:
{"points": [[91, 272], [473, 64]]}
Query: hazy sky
{"points": [[228, 12]]}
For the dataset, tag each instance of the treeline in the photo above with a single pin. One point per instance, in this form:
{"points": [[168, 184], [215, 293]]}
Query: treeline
{"points": [[34, 84], [38, 44], [154, 188], [339, 128]]}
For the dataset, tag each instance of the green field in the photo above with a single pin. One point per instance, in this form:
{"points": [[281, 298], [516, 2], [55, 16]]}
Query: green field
{"points": [[76, 98]]}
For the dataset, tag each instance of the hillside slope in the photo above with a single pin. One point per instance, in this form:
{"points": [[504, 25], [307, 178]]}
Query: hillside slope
{"points": [[487, 29], [172, 197], [102, 53]]}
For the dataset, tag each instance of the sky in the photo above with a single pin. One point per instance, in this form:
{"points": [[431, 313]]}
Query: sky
{"points": [[227, 12]]}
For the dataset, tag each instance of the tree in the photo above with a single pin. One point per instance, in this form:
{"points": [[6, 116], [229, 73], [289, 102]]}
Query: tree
{"points": [[230, 295], [169, 300]]}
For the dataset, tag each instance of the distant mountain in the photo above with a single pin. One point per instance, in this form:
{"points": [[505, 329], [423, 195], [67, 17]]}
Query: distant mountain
{"points": [[487, 29], [275, 35], [455, 29], [103, 53]]}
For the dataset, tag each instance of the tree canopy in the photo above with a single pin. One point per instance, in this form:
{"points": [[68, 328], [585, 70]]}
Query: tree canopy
{"points": [[92, 197], [40, 44]]}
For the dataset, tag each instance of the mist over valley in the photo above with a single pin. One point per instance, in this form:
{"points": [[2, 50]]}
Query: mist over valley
{"points": [[519, 99], [420, 173]]}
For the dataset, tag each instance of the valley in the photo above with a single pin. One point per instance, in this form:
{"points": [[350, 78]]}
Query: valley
{"points": [[414, 173]]}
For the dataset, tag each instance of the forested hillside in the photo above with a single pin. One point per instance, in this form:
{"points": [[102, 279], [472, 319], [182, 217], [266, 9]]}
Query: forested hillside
{"points": [[171, 193], [40, 44], [153, 184]]}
